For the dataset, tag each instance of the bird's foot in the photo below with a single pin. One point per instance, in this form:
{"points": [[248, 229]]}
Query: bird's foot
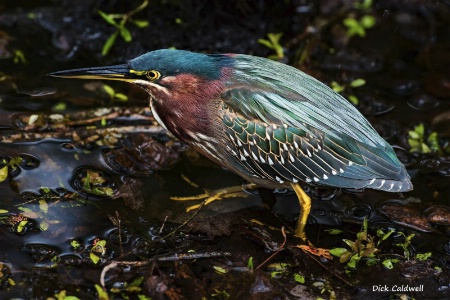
{"points": [[214, 195]]}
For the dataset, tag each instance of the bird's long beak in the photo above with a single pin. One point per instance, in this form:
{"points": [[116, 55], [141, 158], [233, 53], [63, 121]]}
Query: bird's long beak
{"points": [[118, 72]]}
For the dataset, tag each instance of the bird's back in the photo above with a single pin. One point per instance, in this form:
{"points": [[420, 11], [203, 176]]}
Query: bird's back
{"points": [[283, 125]]}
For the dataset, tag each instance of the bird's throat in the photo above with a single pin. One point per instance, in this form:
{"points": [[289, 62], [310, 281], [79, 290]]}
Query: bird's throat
{"points": [[156, 115]]}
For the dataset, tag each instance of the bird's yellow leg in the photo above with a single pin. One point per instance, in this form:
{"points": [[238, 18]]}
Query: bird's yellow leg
{"points": [[305, 208], [214, 195]]}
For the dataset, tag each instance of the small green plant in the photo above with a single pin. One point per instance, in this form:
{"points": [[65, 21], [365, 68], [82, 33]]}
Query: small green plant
{"points": [[363, 4], [363, 247], [19, 57], [218, 294], [62, 295], [278, 269], [354, 84], [423, 256], [355, 27], [12, 164], [250, 263], [406, 245], [98, 249], [119, 21], [93, 183], [299, 278], [421, 144], [113, 95], [273, 42]]}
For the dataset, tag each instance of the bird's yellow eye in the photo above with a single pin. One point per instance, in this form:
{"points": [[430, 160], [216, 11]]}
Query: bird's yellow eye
{"points": [[153, 75]]}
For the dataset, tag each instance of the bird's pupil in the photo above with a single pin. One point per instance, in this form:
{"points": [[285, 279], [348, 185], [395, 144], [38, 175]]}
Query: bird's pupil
{"points": [[152, 75]]}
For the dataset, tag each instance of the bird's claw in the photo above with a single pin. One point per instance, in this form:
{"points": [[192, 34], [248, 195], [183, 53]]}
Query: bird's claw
{"points": [[211, 196]]}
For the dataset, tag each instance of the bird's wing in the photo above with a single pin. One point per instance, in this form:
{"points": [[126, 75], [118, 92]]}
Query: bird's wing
{"points": [[273, 91], [285, 125]]}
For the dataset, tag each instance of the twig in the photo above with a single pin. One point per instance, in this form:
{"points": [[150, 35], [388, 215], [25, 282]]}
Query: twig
{"points": [[120, 232], [326, 268], [276, 252], [182, 224], [173, 257], [106, 269]]}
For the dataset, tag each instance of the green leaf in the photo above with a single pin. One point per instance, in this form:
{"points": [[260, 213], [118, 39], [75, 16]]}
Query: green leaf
{"points": [[24, 209], [140, 23], [219, 270], [369, 252], [250, 263], [386, 235], [275, 274], [3, 211], [43, 206], [95, 259], [265, 43], [423, 256], [387, 263], [351, 244], [109, 90], [61, 295], [299, 278], [362, 236], [365, 4], [60, 106], [43, 226], [107, 18], [21, 226], [368, 21], [334, 231], [356, 30], [102, 294], [125, 33], [415, 145], [414, 135], [275, 38], [354, 261], [337, 87], [350, 22], [345, 257], [280, 266], [433, 141], [109, 43], [420, 129], [121, 97], [357, 83], [75, 244], [338, 251], [425, 148], [371, 262], [3, 173], [138, 281], [19, 57]]}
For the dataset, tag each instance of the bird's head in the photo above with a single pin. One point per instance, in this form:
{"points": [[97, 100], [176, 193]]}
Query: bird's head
{"points": [[182, 85], [163, 73]]}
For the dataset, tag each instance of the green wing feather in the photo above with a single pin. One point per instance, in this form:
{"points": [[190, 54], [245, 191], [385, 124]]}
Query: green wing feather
{"points": [[262, 93], [275, 92]]}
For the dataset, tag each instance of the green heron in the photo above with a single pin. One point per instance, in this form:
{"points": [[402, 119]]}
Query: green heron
{"points": [[270, 123]]}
